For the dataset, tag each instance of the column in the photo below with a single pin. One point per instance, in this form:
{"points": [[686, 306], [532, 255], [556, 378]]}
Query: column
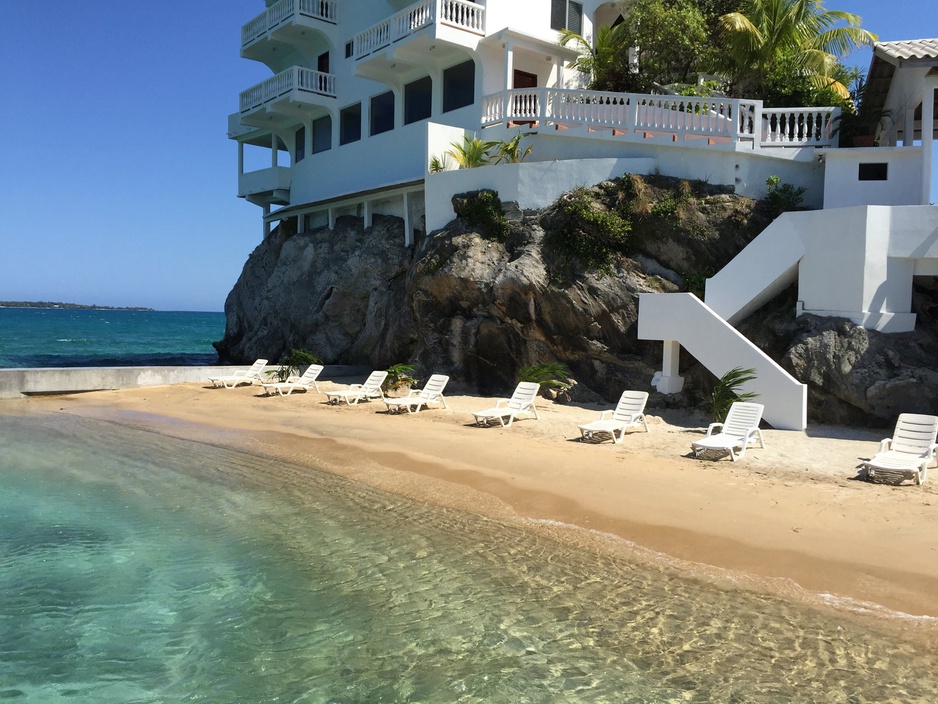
{"points": [[668, 381], [509, 72], [273, 150], [240, 158], [367, 214], [408, 225], [264, 220], [928, 140]]}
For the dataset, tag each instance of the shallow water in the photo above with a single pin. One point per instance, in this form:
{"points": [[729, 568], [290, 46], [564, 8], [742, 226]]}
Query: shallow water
{"points": [[136, 567]]}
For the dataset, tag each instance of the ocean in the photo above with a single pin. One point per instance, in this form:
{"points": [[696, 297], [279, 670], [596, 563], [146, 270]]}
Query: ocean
{"points": [[31, 337], [136, 567]]}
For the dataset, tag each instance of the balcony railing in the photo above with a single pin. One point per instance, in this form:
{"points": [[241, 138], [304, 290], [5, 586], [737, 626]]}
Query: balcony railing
{"points": [[296, 78], [461, 14], [629, 113], [284, 11]]}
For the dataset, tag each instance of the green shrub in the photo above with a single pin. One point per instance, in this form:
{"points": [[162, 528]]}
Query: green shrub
{"points": [[483, 210], [726, 392], [584, 230], [782, 197], [292, 361], [551, 375], [398, 376]]}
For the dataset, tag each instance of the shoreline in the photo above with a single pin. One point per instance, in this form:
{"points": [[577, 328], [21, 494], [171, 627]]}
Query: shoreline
{"points": [[788, 520]]}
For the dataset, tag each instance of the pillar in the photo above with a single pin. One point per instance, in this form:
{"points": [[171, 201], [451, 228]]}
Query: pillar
{"points": [[273, 150], [367, 214], [266, 232], [240, 158], [928, 135], [408, 224], [668, 381]]}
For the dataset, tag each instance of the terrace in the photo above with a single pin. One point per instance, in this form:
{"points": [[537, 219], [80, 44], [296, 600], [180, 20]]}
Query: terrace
{"points": [[286, 95], [283, 25], [636, 117]]}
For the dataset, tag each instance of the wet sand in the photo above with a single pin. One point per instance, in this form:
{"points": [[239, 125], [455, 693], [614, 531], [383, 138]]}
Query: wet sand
{"points": [[794, 515]]}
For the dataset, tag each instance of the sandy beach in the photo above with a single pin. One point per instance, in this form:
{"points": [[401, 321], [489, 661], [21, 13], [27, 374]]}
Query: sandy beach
{"points": [[794, 517]]}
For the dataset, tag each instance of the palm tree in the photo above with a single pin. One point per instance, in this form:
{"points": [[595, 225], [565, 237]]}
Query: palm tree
{"points": [[606, 61], [472, 152], [803, 32]]}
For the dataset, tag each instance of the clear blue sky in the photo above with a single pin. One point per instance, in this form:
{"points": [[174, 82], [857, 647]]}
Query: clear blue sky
{"points": [[118, 185]]}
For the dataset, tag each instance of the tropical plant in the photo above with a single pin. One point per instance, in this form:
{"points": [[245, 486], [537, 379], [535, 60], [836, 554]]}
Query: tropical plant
{"points": [[809, 37], [726, 392], [859, 119], [581, 228], [437, 165], [510, 151], [472, 152], [398, 377], [483, 210], [551, 375], [782, 197], [605, 60], [292, 362]]}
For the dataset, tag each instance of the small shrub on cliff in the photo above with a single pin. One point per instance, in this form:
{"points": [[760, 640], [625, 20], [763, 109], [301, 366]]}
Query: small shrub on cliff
{"points": [[551, 375], [584, 230], [483, 210], [782, 197]]}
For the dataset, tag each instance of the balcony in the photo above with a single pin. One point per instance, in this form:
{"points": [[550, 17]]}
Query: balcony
{"points": [[266, 186], [284, 25], [296, 92], [444, 27], [634, 117]]}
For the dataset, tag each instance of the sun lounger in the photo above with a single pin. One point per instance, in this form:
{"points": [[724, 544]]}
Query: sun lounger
{"points": [[431, 392], [360, 392], [295, 383], [521, 401], [910, 449], [240, 376], [628, 413], [740, 429]]}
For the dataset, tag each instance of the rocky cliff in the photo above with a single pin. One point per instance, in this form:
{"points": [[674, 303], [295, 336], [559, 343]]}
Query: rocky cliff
{"points": [[479, 301]]}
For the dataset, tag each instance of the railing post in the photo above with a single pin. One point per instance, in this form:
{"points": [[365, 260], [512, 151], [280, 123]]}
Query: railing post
{"points": [[542, 112]]}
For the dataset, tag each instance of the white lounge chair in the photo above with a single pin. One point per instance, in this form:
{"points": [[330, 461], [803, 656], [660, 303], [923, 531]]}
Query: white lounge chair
{"points": [[358, 392], [910, 449], [628, 413], [431, 392], [295, 383], [240, 376], [740, 429], [521, 401]]}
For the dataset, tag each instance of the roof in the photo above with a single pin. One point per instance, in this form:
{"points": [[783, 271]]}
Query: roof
{"points": [[919, 55], [912, 51]]}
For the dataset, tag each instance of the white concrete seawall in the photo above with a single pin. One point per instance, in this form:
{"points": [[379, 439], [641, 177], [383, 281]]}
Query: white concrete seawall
{"points": [[16, 383]]}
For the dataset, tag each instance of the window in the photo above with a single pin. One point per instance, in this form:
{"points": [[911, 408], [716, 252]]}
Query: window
{"points": [[322, 134], [382, 113], [322, 63], [566, 14], [349, 49], [459, 85], [873, 172], [417, 98], [299, 144], [350, 124]]}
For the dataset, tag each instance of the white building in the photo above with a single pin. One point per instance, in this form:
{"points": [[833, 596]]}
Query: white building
{"points": [[365, 93]]}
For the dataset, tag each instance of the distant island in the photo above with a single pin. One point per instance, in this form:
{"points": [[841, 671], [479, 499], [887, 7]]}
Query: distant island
{"points": [[67, 306]]}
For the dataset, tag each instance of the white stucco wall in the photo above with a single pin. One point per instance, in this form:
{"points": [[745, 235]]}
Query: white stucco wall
{"points": [[842, 187], [530, 184]]}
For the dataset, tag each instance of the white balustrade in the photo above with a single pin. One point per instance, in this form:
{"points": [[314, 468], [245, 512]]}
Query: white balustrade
{"points": [[283, 11], [295, 78], [461, 14], [797, 127], [725, 118]]}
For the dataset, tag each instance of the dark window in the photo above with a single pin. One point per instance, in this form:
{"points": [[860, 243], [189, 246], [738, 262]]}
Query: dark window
{"points": [[322, 134], [300, 145], [350, 124], [566, 14], [417, 98], [873, 172], [459, 86], [349, 49], [382, 113], [322, 63]]}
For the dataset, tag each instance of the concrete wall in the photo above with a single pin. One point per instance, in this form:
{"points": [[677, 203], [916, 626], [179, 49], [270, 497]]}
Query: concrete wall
{"points": [[843, 188], [14, 383]]}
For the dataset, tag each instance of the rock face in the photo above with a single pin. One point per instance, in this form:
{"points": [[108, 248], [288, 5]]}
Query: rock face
{"points": [[481, 309]]}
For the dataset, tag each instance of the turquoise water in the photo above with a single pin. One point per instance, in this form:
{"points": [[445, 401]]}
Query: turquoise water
{"points": [[136, 567], [106, 338]]}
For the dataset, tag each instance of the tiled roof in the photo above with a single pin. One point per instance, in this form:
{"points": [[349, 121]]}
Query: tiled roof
{"points": [[911, 49]]}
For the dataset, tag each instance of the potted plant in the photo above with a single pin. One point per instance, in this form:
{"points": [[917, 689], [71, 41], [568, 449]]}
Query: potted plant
{"points": [[858, 119], [399, 378]]}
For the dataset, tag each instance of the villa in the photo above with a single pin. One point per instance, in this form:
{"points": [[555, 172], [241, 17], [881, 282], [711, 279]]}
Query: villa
{"points": [[365, 94]]}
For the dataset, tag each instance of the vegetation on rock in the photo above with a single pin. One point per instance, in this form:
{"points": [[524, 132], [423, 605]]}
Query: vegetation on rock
{"points": [[483, 210]]}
